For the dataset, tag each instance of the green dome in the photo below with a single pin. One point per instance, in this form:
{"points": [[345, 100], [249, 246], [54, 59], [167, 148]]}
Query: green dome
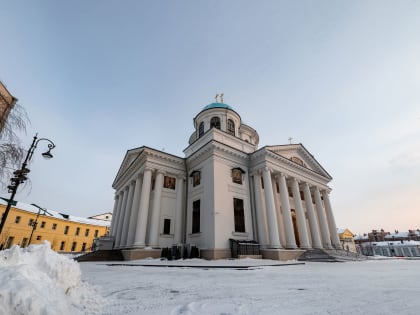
{"points": [[218, 105]]}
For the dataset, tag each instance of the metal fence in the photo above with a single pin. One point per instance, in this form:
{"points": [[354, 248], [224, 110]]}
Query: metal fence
{"points": [[239, 247]]}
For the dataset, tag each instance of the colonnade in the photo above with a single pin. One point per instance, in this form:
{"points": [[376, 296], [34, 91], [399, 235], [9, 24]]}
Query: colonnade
{"points": [[320, 232], [131, 212]]}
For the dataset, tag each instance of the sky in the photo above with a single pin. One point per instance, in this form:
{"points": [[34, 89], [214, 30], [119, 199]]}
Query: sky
{"points": [[101, 77]]}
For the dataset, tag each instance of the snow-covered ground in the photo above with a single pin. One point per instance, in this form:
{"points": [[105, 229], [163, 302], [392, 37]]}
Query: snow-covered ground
{"points": [[47, 283]]}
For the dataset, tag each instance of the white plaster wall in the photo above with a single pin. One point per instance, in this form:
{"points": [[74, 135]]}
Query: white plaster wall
{"points": [[225, 191], [204, 192], [167, 211]]}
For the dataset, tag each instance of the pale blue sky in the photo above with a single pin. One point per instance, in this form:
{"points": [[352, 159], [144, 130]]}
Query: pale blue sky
{"points": [[101, 77]]}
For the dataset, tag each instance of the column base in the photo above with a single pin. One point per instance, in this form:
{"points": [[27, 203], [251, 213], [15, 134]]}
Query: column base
{"points": [[291, 246], [281, 254], [132, 254]]}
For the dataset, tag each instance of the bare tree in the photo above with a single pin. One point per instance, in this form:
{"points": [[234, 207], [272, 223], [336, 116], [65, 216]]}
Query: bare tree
{"points": [[11, 150]]}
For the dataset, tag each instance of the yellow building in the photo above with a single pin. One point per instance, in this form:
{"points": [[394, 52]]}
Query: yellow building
{"points": [[347, 240], [66, 233]]}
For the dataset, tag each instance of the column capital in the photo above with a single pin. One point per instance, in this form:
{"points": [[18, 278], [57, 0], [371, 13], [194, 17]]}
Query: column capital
{"points": [[148, 168], [159, 171]]}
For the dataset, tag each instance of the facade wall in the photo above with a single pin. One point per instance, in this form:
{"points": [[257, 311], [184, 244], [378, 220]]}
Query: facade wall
{"points": [[21, 231]]}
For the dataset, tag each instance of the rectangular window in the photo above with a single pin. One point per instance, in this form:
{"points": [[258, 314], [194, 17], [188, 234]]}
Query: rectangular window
{"points": [[31, 222], [73, 246], [277, 187], [43, 224], [54, 226], [10, 241], [167, 226], [77, 231], [62, 245], [24, 242], [83, 247], [302, 195], [17, 220], [87, 232], [196, 217], [66, 229], [290, 191], [96, 233], [238, 209], [169, 182], [38, 238]]}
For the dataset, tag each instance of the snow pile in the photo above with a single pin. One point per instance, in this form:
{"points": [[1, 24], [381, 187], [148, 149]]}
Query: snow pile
{"points": [[37, 280]]}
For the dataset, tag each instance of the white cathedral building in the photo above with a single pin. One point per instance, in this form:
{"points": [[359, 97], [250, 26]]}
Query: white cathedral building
{"points": [[224, 188]]}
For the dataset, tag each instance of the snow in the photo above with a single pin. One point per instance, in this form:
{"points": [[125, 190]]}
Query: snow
{"points": [[39, 281]]}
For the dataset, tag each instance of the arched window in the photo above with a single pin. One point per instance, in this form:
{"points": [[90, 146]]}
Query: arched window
{"points": [[215, 123], [230, 127], [201, 129]]}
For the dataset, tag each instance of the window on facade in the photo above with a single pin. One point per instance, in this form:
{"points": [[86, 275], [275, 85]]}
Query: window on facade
{"points": [[201, 129], [196, 177], [83, 247], [77, 231], [169, 182], [66, 229], [43, 224], [238, 209], [230, 127], [62, 245], [196, 217], [10, 241], [167, 226], [96, 233], [277, 187], [24, 242], [215, 123], [54, 226], [73, 246], [17, 220], [87, 232], [302, 195], [237, 175], [290, 191], [31, 222], [38, 238]]}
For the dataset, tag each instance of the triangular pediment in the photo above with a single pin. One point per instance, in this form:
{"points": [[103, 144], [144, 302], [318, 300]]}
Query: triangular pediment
{"points": [[298, 154], [129, 158]]}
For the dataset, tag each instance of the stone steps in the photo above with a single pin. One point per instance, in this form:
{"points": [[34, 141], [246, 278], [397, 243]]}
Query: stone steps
{"points": [[102, 255]]}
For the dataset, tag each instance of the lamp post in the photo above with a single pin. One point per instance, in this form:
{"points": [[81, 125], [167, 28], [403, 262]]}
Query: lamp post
{"points": [[35, 223], [20, 175]]}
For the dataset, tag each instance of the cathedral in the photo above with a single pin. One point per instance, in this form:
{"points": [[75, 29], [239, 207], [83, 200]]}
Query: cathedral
{"points": [[225, 188]]}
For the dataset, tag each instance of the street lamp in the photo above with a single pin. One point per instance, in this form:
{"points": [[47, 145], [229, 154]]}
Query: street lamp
{"points": [[35, 223], [20, 175]]}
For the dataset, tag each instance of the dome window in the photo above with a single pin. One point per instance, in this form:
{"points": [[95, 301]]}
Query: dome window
{"points": [[215, 123], [230, 127], [201, 129]]}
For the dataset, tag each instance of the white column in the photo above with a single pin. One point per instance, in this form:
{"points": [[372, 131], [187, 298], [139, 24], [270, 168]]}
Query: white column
{"points": [[273, 231], [140, 236], [121, 218], [178, 210], [287, 215], [261, 222], [127, 215], [114, 213], [154, 220], [331, 221], [134, 211], [118, 215], [313, 223], [326, 242], [300, 216]]}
